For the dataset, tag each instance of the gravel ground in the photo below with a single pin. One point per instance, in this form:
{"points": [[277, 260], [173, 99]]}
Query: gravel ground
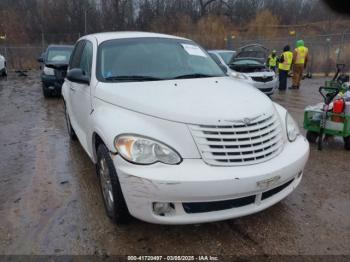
{"points": [[51, 203]]}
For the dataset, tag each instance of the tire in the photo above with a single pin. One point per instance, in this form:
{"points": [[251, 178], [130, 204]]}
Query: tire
{"points": [[46, 91], [4, 74], [347, 143], [70, 129], [111, 191], [311, 136]]}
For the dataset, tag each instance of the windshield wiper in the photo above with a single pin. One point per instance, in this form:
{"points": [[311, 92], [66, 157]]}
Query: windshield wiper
{"points": [[133, 78], [193, 76]]}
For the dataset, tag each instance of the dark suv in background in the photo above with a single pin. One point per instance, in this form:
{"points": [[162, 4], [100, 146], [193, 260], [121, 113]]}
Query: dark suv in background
{"points": [[55, 62]]}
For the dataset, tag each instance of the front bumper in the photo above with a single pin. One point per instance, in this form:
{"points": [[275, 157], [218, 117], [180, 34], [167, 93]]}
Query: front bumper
{"points": [[51, 82], [268, 87], [193, 182]]}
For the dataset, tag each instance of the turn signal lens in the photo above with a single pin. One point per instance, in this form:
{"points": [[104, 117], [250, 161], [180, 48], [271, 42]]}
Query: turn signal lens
{"points": [[292, 128]]}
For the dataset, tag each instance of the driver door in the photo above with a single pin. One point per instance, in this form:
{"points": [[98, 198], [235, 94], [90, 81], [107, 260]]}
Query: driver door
{"points": [[80, 94]]}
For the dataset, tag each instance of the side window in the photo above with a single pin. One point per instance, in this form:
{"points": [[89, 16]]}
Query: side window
{"points": [[86, 58], [76, 55]]}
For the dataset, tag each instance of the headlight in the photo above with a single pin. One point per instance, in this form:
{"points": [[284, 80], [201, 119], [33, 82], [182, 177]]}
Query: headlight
{"points": [[145, 151], [49, 71], [292, 128], [239, 76]]}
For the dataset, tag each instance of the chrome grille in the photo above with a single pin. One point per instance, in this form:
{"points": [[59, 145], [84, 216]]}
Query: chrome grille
{"points": [[239, 144]]}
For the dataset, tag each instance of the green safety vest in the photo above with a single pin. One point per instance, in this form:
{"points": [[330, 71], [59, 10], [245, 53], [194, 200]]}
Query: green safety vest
{"points": [[272, 61], [288, 58]]}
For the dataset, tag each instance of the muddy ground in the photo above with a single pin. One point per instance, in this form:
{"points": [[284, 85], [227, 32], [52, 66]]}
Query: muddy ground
{"points": [[50, 202]]}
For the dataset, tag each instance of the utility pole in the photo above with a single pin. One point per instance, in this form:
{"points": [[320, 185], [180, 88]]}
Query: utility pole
{"points": [[42, 42], [85, 21]]}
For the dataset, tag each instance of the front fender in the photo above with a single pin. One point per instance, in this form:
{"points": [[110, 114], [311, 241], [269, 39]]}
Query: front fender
{"points": [[65, 90], [109, 121]]}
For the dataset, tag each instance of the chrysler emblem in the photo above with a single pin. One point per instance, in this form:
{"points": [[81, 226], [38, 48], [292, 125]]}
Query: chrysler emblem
{"points": [[245, 121]]}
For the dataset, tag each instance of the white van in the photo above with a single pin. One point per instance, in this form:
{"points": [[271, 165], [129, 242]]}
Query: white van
{"points": [[174, 139]]}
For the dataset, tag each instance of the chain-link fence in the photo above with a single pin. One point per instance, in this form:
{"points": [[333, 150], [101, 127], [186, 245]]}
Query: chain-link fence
{"points": [[325, 50], [23, 57]]}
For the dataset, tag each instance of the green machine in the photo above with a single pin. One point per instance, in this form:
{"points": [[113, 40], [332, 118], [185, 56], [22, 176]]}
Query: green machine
{"points": [[333, 117]]}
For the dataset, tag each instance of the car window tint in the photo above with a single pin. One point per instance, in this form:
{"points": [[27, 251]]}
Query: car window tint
{"points": [[75, 58], [86, 58]]}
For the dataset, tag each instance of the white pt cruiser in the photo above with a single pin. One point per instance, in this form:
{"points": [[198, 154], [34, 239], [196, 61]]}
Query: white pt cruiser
{"points": [[174, 139]]}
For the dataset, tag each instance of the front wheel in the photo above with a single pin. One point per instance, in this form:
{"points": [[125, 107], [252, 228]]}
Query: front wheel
{"points": [[347, 142], [113, 198], [311, 136], [46, 91], [4, 73], [70, 129]]}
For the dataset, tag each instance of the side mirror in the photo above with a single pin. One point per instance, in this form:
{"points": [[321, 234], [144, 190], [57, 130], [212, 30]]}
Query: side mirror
{"points": [[77, 75], [40, 60]]}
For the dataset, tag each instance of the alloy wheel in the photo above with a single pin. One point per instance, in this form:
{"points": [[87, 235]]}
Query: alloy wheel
{"points": [[106, 185]]}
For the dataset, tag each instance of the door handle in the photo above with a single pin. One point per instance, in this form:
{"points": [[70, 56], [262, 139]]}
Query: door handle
{"points": [[72, 89]]}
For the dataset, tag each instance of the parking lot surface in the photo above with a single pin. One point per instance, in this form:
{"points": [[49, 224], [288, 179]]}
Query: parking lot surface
{"points": [[50, 201]]}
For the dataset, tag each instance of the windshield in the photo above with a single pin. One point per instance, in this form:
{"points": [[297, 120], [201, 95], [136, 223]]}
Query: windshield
{"points": [[59, 55], [227, 56], [147, 59]]}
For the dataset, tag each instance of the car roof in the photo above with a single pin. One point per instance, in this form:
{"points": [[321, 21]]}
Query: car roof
{"points": [[102, 37]]}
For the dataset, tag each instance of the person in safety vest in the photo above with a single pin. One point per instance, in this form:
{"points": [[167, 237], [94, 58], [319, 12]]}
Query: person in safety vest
{"points": [[284, 65], [272, 61], [300, 58]]}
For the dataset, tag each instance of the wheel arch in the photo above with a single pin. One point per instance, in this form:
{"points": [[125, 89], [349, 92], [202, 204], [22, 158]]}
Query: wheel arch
{"points": [[97, 139]]}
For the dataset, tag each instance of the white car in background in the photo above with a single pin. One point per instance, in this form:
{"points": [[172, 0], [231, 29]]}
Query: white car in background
{"points": [[3, 69], [174, 139], [249, 66], [224, 56]]}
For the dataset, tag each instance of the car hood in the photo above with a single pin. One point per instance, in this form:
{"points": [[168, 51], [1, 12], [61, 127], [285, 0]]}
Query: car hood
{"points": [[202, 101], [57, 65]]}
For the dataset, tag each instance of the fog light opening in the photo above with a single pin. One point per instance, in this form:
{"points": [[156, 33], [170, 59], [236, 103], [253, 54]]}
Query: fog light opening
{"points": [[163, 209]]}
